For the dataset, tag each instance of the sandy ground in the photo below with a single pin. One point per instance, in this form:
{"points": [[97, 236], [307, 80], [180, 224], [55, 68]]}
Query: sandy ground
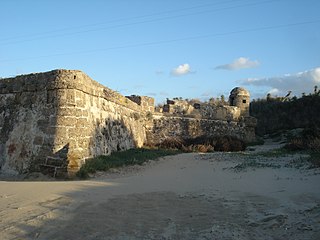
{"points": [[187, 196]]}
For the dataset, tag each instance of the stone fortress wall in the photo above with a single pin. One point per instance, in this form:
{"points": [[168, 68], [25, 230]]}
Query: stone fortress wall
{"points": [[53, 121]]}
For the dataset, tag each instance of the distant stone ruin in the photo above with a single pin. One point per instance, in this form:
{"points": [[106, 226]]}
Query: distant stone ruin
{"points": [[53, 121]]}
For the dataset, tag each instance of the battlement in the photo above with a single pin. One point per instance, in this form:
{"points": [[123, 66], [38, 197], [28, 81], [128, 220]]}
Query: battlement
{"points": [[146, 103]]}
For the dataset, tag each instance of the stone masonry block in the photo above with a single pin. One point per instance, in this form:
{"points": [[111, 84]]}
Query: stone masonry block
{"points": [[58, 131], [71, 96], [48, 170], [69, 111], [75, 133], [84, 142], [61, 95], [38, 140], [66, 121], [85, 113], [51, 96], [60, 142], [57, 162], [81, 122], [80, 103]]}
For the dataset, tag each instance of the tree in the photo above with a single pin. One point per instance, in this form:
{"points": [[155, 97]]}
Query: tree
{"points": [[212, 101], [269, 97], [223, 101]]}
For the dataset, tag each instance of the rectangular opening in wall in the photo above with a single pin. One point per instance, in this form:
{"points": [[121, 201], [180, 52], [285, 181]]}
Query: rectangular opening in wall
{"points": [[244, 101]]}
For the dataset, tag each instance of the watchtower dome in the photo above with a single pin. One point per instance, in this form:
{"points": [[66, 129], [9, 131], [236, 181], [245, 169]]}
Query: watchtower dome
{"points": [[240, 97]]}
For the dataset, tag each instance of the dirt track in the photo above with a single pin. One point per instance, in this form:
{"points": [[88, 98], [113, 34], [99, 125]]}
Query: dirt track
{"points": [[188, 196]]}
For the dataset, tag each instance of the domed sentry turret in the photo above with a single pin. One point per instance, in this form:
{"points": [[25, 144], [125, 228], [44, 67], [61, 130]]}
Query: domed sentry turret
{"points": [[240, 97]]}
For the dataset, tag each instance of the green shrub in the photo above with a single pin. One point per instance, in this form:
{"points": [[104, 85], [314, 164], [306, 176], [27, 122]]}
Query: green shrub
{"points": [[275, 115], [172, 143], [120, 159], [315, 159], [204, 144], [258, 141], [309, 139]]}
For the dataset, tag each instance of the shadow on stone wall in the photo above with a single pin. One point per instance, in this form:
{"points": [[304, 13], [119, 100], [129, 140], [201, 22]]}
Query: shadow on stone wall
{"points": [[56, 163], [111, 135], [7, 117], [27, 131], [108, 135]]}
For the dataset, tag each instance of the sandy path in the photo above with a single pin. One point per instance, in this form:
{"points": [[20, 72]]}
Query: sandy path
{"points": [[188, 196]]}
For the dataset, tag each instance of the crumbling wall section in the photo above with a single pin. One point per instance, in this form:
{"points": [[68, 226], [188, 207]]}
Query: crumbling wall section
{"points": [[202, 110], [146, 103]]}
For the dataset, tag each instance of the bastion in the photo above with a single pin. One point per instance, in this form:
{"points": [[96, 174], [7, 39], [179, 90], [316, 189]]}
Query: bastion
{"points": [[54, 121]]}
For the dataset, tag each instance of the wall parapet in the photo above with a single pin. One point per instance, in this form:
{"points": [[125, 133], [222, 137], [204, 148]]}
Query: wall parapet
{"points": [[63, 79]]}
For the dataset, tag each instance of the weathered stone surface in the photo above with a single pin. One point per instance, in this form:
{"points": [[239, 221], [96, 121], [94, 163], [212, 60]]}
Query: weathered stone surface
{"points": [[60, 118], [56, 120], [184, 127]]}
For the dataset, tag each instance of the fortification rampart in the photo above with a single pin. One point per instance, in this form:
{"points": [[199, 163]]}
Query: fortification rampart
{"points": [[167, 126], [52, 122]]}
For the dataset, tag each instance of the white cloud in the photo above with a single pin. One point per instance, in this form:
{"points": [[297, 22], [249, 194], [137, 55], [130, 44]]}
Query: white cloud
{"points": [[151, 94], [316, 75], [207, 94], [274, 91], [297, 83], [239, 63], [164, 94], [181, 70]]}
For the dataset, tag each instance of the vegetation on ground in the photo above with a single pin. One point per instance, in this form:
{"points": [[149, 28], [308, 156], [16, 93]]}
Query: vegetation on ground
{"points": [[169, 146], [204, 144], [252, 163], [308, 141], [314, 159], [129, 157], [304, 142], [276, 114], [274, 153], [257, 142]]}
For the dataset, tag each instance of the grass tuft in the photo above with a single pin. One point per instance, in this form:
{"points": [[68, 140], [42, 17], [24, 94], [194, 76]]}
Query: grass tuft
{"points": [[204, 144], [278, 152], [254, 164], [259, 141], [314, 159], [120, 159]]}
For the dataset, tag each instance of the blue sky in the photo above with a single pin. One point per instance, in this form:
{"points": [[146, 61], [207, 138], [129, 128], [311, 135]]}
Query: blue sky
{"points": [[165, 49]]}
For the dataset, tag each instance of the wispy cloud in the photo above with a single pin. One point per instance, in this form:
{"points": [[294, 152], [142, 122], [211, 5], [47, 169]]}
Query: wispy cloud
{"points": [[239, 63], [182, 69], [151, 94], [207, 94], [138, 86], [159, 72], [297, 83], [164, 94]]}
